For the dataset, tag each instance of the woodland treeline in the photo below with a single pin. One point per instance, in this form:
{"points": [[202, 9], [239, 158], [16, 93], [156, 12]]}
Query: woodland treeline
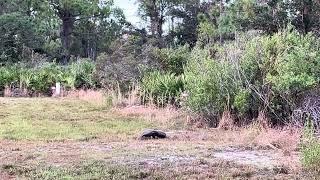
{"points": [[244, 58]]}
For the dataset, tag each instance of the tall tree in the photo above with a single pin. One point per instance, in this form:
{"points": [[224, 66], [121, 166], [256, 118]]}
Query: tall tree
{"points": [[95, 36], [70, 11], [272, 15], [18, 33], [186, 29], [156, 11], [305, 15]]}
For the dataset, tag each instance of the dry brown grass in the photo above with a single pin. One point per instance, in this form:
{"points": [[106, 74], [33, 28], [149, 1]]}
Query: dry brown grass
{"points": [[226, 122], [263, 121], [166, 117], [7, 92], [286, 140], [86, 95], [121, 100], [22, 92]]}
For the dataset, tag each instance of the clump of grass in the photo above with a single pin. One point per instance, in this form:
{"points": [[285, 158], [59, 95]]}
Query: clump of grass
{"points": [[165, 117], [310, 148], [92, 96], [14, 169], [118, 99], [226, 122], [92, 170]]}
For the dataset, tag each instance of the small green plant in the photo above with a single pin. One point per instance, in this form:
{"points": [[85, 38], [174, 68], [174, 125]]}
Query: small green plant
{"points": [[79, 75], [310, 149], [162, 88]]}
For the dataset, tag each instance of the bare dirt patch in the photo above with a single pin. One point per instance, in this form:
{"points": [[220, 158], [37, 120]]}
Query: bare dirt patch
{"points": [[258, 158]]}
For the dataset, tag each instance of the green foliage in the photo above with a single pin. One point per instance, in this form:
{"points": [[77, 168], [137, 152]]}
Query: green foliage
{"points": [[279, 69], [80, 75], [165, 86], [41, 78], [162, 88], [8, 75], [269, 73], [243, 102], [298, 63], [172, 60], [206, 32], [17, 37], [310, 149], [57, 28], [210, 84]]}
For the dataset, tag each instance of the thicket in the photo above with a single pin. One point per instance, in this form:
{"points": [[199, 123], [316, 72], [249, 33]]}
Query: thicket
{"points": [[277, 75], [39, 79], [269, 74], [273, 74], [164, 83]]}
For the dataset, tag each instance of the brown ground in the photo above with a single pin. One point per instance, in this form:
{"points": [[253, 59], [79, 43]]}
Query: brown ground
{"points": [[103, 144], [210, 154]]}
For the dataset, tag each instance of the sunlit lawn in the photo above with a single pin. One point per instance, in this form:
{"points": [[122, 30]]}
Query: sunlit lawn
{"points": [[63, 119]]}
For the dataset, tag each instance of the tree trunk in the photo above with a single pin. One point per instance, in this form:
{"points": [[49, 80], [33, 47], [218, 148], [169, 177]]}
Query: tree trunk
{"points": [[159, 23], [153, 17], [307, 8], [159, 27], [66, 37], [221, 14]]}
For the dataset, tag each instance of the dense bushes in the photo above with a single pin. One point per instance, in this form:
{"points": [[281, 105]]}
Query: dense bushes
{"points": [[164, 83], [172, 60], [40, 79], [210, 85], [122, 66], [281, 69], [270, 74], [161, 88]]}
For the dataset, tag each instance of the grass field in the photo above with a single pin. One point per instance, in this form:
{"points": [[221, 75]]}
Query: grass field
{"points": [[44, 138], [53, 119]]}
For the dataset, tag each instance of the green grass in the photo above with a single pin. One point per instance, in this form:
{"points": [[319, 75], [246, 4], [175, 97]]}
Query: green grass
{"points": [[62, 119], [93, 170], [102, 170]]}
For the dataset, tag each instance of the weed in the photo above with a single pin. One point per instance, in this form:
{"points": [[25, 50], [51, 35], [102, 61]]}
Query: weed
{"points": [[310, 148]]}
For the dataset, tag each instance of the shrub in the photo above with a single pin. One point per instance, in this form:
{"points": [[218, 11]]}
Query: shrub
{"points": [[267, 73], [310, 150], [279, 69], [9, 75], [40, 79], [297, 66], [172, 60], [162, 88], [44, 77], [210, 84], [79, 75], [243, 102], [125, 63]]}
